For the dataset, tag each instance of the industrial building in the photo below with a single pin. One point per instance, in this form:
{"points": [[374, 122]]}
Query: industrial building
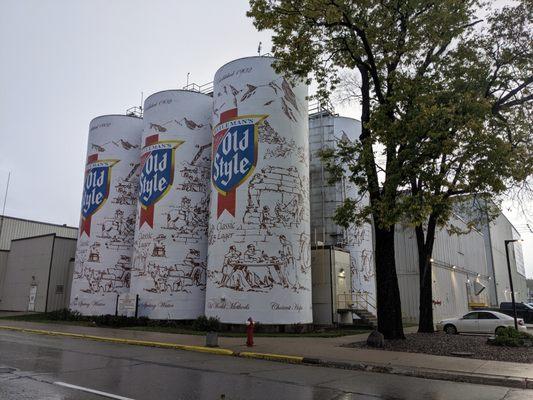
{"points": [[36, 264], [460, 273], [261, 242], [469, 270]]}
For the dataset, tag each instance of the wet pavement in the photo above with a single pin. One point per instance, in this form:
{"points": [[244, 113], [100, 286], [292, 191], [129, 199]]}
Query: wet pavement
{"points": [[39, 367]]}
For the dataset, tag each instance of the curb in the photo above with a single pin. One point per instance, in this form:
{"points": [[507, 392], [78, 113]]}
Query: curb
{"points": [[199, 349], [271, 357], [482, 379]]}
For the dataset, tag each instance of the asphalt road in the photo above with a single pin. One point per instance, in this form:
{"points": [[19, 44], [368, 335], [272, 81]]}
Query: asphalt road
{"points": [[46, 368]]}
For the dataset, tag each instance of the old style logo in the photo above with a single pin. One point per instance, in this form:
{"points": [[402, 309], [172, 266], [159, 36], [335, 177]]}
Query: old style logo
{"points": [[95, 189], [235, 142], [157, 174]]}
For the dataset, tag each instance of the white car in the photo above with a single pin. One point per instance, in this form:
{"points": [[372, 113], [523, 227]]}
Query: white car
{"points": [[479, 322]]}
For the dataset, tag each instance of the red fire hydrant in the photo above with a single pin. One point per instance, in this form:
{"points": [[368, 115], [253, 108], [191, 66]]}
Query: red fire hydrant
{"points": [[250, 332]]}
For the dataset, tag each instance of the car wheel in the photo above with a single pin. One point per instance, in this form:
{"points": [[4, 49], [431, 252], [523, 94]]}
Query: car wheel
{"points": [[450, 329], [499, 329]]}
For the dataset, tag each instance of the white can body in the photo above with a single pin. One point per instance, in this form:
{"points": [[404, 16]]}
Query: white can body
{"points": [[107, 223], [169, 267], [358, 238], [259, 246]]}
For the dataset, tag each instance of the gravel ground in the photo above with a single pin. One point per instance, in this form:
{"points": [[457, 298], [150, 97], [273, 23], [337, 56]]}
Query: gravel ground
{"points": [[441, 344]]}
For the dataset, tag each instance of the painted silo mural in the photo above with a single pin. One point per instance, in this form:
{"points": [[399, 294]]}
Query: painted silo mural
{"points": [[358, 239], [105, 243], [259, 245], [169, 267]]}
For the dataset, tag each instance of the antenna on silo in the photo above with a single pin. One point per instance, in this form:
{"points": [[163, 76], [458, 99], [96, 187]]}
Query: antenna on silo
{"points": [[142, 102], [259, 49], [188, 73]]}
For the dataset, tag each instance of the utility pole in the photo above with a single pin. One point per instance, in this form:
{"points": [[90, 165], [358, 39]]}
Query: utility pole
{"points": [[511, 279]]}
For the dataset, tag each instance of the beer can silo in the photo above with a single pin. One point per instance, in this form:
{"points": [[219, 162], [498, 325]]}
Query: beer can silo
{"points": [[259, 245], [357, 238], [170, 247], [105, 243]]}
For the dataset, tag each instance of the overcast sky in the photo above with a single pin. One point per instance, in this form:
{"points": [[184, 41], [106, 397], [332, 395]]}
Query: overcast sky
{"points": [[66, 62]]}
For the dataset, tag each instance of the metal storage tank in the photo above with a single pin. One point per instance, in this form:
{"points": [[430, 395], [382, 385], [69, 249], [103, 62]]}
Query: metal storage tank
{"points": [[259, 245], [105, 243], [170, 250], [327, 130]]}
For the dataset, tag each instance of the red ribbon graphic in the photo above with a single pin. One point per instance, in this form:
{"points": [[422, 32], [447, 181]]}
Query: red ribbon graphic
{"points": [[147, 213], [85, 223], [227, 201]]}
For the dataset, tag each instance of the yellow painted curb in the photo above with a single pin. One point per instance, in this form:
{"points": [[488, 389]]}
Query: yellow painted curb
{"points": [[134, 342], [272, 357]]}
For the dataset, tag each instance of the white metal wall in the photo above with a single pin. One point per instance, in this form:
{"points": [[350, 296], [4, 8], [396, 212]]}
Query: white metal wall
{"points": [[500, 230], [453, 288]]}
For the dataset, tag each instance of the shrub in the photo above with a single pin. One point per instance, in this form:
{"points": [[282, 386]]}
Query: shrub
{"points": [[259, 327], [116, 321], [297, 328], [202, 323], [64, 314], [510, 337]]}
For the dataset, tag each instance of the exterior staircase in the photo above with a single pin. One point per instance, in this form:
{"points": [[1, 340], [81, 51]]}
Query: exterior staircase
{"points": [[367, 318], [361, 304]]}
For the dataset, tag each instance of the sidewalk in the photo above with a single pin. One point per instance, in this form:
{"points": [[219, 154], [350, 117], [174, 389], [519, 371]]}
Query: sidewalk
{"points": [[326, 352]]}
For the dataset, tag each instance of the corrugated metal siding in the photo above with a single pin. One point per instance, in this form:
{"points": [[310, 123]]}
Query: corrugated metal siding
{"points": [[409, 296], [405, 250], [16, 228], [28, 258], [500, 230], [3, 268], [60, 274], [450, 294], [467, 252]]}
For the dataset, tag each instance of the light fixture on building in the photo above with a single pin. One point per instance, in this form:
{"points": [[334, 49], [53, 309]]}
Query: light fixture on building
{"points": [[490, 277], [341, 273], [454, 266], [478, 275], [430, 260]]}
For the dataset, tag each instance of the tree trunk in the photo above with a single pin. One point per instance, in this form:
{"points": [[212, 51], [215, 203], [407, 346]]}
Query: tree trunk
{"points": [[388, 305], [389, 308], [425, 250]]}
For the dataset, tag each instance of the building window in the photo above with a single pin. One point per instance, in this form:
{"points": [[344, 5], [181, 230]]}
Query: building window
{"points": [[60, 289]]}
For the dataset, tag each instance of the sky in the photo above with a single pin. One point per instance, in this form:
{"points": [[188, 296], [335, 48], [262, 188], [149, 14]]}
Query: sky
{"points": [[65, 62]]}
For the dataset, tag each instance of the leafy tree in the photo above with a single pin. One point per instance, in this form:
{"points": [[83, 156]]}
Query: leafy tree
{"points": [[442, 111]]}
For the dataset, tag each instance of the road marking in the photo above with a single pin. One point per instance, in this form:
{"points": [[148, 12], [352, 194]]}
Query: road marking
{"points": [[84, 389]]}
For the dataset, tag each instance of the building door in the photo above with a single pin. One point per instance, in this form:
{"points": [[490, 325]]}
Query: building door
{"points": [[33, 295]]}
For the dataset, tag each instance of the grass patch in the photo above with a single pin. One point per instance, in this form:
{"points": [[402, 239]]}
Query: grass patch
{"points": [[184, 331], [197, 327]]}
